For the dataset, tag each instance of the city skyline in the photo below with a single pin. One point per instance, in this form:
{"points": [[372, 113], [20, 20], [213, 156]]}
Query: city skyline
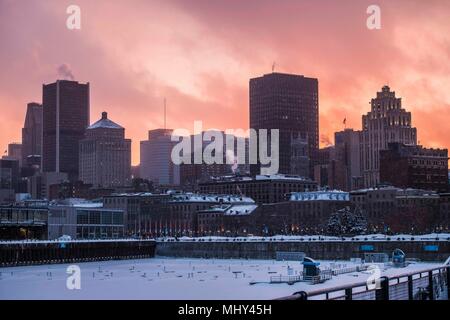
{"points": [[181, 52]]}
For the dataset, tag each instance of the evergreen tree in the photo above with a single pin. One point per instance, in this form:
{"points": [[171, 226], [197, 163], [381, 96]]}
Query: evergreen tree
{"points": [[346, 222]]}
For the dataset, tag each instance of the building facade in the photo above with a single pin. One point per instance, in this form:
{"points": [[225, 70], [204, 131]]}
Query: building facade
{"points": [[347, 157], [289, 103], [261, 188], [303, 213], [321, 161], [23, 222], [386, 122], [394, 210], [144, 211], [15, 152], [40, 185], [32, 135], [9, 180], [65, 119], [105, 155], [413, 166], [156, 164], [227, 219], [84, 220], [193, 173]]}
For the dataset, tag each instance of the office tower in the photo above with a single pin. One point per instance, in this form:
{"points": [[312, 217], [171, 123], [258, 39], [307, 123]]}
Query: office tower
{"points": [[65, 119], [156, 163], [289, 103], [32, 135], [347, 160], [105, 155], [386, 122]]}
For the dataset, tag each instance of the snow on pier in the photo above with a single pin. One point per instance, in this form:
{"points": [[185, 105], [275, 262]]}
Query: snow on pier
{"points": [[168, 278]]}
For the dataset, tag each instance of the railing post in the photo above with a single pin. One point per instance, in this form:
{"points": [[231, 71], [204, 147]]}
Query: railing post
{"points": [[410, 288], [383, 292], [430, 285], [302, 295], [348, 294]]}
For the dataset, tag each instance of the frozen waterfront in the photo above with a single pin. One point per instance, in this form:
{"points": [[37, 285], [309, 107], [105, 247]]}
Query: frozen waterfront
{"points": [[170, 278]]}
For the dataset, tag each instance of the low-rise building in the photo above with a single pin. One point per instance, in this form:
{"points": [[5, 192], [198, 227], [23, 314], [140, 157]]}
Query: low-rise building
{"points": [[302, 213], [413, 166], [228, 219], [82, 219], [261, 188], [376, 204], [23, 221], [9, 179], [143, 211], [395, 210], [310, 211]]}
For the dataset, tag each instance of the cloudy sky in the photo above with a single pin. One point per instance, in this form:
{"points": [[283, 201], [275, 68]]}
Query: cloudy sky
{"points": [[200, 54]]}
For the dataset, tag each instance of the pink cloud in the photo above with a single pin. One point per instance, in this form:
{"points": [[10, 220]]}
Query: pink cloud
{"points": [[200, 55]]}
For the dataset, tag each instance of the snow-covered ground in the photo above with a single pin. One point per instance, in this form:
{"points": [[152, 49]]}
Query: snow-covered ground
{"points": [[315, 238], [170, 278]]}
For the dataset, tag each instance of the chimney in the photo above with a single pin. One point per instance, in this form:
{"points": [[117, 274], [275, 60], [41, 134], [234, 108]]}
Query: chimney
{"points": [[104, 115]]}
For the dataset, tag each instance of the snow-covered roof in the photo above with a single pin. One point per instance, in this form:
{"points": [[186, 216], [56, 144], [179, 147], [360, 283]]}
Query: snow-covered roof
{"points": [[334, 195], [134, 194], [76, 202], [400, 193], [240, 209], [374, 189], [261, 178], [280, 177], [194, 197]]}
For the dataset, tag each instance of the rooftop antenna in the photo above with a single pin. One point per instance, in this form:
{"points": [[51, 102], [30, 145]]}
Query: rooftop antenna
{"points": [[165, 106], [273, 67]]}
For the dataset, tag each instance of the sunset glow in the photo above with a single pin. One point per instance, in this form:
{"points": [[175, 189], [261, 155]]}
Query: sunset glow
{"points": [[200, 55]]}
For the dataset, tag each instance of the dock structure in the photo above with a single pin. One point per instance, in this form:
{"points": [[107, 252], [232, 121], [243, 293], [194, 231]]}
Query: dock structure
{"points": [[21, 253]]}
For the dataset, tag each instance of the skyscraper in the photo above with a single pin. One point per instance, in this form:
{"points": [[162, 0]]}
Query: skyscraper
{"points": [[289, 103], [65, 119], [347, 159], [386, 122], [156, 163], [32, 133], [105, 155]]}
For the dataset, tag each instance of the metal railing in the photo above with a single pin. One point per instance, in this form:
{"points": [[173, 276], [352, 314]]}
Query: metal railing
{"points": [[429, 284], [300, 277], [337, 272]]}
